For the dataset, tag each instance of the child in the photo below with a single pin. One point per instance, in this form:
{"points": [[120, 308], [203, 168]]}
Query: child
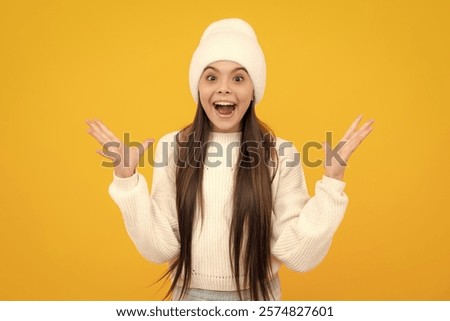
{"points": [[229, 202]]}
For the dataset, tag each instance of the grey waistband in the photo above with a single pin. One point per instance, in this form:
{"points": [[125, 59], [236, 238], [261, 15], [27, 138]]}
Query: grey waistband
{"points": [[194, 294]]}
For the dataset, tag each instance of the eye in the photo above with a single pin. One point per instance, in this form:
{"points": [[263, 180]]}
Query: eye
{"points": [[238, 78], [211, 78]]}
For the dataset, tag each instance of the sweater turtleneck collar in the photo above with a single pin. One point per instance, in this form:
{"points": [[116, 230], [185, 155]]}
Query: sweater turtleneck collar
{"points": [[225, 138]]}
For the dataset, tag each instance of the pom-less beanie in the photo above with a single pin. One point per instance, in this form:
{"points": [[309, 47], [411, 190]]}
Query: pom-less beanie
{"points": [[230, 39]]}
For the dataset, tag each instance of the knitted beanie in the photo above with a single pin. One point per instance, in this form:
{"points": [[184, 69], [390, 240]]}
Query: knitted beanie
{"points": [[230, 39]]}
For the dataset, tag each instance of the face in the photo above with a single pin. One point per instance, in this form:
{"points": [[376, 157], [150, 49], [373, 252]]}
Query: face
{"points": [[226, 91]]}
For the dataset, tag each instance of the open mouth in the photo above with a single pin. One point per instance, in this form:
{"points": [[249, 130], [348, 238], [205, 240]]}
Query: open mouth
{"points": [[224, 108]]}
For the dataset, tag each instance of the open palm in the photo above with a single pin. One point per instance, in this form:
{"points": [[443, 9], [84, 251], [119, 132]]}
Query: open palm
{"points": [[336, 161], [125, 159]]}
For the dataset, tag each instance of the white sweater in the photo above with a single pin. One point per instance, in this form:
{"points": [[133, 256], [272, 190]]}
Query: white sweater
{"points": [[302, 230]]}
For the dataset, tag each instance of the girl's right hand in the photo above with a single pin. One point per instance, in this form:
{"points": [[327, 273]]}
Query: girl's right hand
{"points": [[114, 146]]}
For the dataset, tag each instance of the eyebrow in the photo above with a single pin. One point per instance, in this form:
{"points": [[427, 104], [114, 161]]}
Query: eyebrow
{"points": [[217, 70]]}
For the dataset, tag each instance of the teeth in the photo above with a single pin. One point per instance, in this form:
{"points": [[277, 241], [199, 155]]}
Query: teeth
{"points": [[223, 103]]}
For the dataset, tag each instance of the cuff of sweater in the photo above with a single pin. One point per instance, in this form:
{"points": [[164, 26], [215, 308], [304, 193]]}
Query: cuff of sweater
{"points": [[333, 183], [125, 184]]}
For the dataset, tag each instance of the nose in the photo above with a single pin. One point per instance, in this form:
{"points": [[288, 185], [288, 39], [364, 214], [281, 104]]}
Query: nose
{"points": [[223, 91], [224, 88]]}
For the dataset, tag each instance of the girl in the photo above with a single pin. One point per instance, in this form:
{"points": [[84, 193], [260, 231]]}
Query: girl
{"points": [[229, 202]]}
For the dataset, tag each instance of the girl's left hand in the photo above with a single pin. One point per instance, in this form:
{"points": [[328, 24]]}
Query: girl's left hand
{"points": [[336, 159]]}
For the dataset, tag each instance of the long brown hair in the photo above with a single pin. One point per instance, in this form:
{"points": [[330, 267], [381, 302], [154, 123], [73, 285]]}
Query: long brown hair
{"points": [[251, 224]]}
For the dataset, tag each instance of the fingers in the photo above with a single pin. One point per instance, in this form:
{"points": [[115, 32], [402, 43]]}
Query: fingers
{"points": [[94, 132], [106, 131], [353, 138], [100, 132], [357, 139], [352, 132], [365, 126], [106, 138], [97, 132], [352, 128], [363, 131]]}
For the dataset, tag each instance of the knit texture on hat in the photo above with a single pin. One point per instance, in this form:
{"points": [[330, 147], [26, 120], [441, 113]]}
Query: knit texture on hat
{"points": [[230, 39]]}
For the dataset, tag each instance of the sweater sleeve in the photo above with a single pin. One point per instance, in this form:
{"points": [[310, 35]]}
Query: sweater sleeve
{"points": [[150, 219], [304, 226]]}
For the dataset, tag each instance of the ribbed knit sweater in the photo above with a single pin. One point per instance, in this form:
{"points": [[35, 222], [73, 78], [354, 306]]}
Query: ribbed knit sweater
{"points": [[302, 226]]}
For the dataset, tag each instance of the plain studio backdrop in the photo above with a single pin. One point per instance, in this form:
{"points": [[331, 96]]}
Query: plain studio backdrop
{"points": [[126, 63]]}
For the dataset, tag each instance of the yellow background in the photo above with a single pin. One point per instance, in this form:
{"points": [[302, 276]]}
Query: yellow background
{"points": [[126, 63]]}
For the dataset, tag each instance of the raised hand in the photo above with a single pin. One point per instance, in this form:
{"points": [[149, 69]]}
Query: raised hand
{"points": [[336, 161], [125, 158]]}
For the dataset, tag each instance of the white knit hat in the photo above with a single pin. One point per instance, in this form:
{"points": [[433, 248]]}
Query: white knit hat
{"points": [[234, 40]]}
